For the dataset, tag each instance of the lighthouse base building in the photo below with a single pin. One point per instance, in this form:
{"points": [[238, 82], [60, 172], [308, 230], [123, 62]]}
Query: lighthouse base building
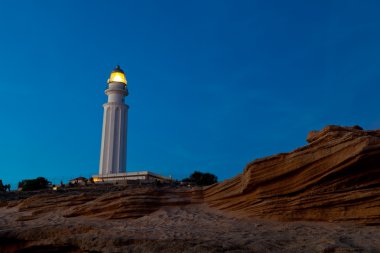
{"points": [[132, 177]]}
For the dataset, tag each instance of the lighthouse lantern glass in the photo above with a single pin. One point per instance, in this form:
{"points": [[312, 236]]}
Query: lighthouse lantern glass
{"points": [[117, 77]]}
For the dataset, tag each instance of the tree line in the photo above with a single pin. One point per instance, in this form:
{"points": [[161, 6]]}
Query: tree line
{"points": [[197, 178]]}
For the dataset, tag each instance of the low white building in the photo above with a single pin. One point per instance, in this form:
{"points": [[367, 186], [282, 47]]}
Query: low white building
{"points": [[145, 176]]}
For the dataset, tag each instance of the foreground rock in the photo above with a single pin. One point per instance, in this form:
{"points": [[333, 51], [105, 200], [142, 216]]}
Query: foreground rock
{"points": [[189, 228], [335, 178]]}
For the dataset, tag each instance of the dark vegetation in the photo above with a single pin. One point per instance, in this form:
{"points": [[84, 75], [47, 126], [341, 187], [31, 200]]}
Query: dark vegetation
{"points": [[34, 184], [4, 187], [201, 179]]}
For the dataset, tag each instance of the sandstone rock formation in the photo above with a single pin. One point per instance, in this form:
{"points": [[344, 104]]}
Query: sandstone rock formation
{"points": [[336, 177], [102, 201]]}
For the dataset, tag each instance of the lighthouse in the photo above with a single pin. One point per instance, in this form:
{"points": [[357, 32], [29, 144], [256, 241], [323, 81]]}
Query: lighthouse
{"points": [[113, 151], [113, 154]]}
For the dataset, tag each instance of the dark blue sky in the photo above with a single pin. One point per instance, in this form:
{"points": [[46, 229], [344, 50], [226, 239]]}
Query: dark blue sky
{"points": [[213, 84]]}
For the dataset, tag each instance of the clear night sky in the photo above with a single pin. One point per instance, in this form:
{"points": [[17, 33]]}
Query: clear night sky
{"points": [[213, 84]]}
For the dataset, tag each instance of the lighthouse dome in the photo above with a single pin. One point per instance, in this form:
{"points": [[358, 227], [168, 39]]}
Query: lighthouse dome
{"points": [[117, 76]]}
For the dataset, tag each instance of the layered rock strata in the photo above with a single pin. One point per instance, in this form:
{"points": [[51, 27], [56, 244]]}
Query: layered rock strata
{"points": [[336, 177]]}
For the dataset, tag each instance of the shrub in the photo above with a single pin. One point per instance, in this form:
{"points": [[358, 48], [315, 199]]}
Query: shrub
{"points": [[201, 179], [34, 184]]}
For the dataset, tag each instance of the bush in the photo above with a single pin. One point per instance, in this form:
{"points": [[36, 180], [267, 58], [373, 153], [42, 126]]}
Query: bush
{"points": [[201, 179], [4, 187], [34, 184]]}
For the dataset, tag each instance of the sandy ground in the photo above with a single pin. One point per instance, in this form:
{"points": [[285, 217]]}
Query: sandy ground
{"points": [[191, 228]]}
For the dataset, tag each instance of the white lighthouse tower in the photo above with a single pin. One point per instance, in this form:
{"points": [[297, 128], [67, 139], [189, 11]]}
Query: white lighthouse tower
{"points": [[114, 135]]}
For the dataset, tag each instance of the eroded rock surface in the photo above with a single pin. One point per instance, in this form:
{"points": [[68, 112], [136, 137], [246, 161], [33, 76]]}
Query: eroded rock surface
{"points": [[187, 228], [336, 177]]}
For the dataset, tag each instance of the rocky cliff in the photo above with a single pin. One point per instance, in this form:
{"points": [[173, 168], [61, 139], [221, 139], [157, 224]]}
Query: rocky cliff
{"points": [[336, 177]]}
